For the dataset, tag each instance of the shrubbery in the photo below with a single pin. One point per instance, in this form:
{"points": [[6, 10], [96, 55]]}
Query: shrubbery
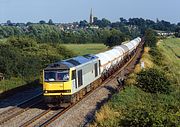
{"points": [[134, 107], [23, 57], [157, 56], [22, 42], [153, 81], [137, 118]]}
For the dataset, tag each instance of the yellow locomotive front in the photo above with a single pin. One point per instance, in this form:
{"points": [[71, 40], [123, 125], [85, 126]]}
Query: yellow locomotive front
{"points": [[57, 85], [68, 80]]}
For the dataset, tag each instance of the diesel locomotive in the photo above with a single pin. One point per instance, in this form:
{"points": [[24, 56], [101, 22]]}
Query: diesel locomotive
{"points": [[69, 80]]}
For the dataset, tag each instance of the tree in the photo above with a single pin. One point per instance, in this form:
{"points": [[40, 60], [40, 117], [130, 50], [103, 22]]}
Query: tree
{"points": [[177, 32], [150, 37], [22, 42], [105, 22], [101, 23], [83, 23], [116, 38], [9, 23], [29, 23], [122, 20], [42, 22], [95, 19], [50, 22]]}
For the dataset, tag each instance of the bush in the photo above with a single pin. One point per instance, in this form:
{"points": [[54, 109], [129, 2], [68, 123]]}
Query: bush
{"points": [[153, 81], [22, 42], [23, 58], [144, 117], [137, 118], [138, 108], [157, 56]]}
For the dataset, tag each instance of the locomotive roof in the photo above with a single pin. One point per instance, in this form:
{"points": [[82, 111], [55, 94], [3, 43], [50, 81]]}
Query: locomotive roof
{"points": [[72, 62]]}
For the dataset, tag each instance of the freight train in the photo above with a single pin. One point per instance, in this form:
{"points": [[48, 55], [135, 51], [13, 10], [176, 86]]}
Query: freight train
{"points": [[69, 80]]}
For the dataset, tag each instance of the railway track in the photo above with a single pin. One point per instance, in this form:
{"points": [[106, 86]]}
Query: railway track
{"points": [[31, 121], [50, 118], [20, 108], [49, 115], [56, 114]]}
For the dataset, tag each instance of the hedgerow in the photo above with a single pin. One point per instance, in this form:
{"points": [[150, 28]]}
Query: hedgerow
{"points": [[23, 58]]}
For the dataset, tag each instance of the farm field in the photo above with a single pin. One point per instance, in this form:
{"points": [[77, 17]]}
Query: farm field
{"points": [[171, 49], [82, 49], [173, 44]]}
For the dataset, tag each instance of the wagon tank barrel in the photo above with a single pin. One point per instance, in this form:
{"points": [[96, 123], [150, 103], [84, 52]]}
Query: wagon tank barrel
{"points": [[69, 80]]}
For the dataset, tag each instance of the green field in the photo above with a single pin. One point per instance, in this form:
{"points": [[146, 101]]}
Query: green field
{"points": [[172, 44], [171, 49], [82, 49]]}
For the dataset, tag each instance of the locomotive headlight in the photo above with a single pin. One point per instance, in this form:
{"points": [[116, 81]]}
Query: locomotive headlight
{"points": [[45, 91]]}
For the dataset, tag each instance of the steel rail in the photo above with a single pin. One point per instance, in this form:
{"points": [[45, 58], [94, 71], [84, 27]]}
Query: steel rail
{"points": [[11, 113]]}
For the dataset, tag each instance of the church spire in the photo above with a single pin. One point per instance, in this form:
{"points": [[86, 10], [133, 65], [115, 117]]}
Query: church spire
{"points": [[91, 17]]}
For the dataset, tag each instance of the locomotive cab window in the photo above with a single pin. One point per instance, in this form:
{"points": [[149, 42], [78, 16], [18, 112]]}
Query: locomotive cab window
{"points": [[96, 69], [74, 77], [80, 79], [73, 74], [59, 75], [99, 67]]}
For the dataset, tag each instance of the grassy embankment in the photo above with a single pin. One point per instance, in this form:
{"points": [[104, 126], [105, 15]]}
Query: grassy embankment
{"points": [[21, 62], [135, 107], [171, 48]]}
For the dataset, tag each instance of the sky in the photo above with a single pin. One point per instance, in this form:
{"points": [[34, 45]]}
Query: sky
{"points": [[65, 11]]}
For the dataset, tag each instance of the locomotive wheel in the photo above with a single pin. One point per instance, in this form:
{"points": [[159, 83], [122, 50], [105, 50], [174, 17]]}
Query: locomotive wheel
{"points": [[77, 97], [81, 94], [73, 99], [84, 91]]}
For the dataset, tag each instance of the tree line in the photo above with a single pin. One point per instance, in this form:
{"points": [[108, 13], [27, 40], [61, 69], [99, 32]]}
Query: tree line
{"points": [[44, 32], [52, 34], [40, 44]]}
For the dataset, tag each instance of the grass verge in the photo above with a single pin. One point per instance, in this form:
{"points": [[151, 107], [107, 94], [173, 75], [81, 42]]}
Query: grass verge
{"points": [[135, 107]]}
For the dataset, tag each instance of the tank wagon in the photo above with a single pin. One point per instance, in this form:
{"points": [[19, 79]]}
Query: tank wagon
{"points": [[69, 80]]}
